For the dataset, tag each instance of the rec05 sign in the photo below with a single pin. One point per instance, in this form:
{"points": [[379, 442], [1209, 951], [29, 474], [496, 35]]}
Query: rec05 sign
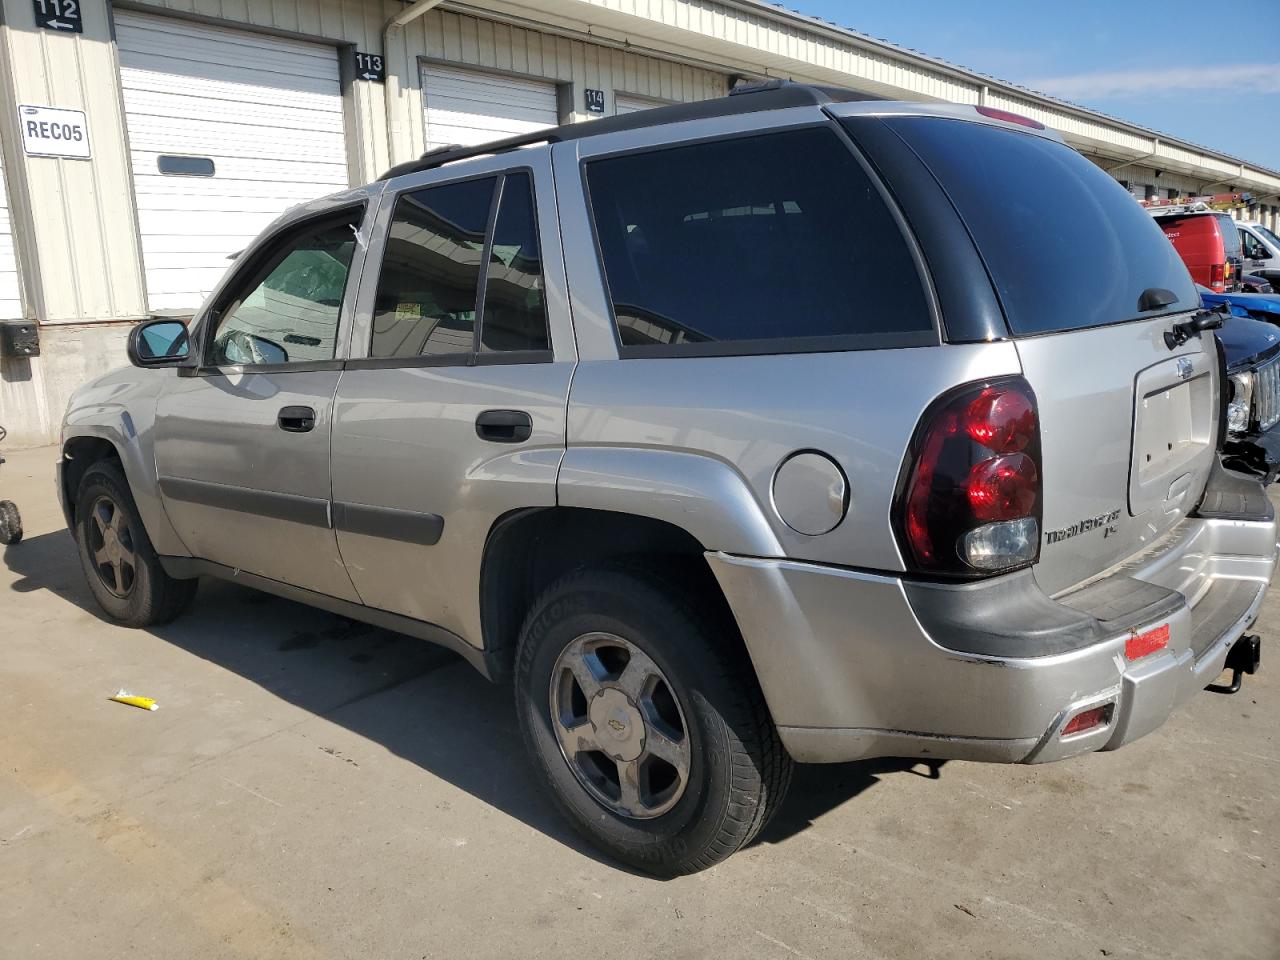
{"points": [[53, 132]]}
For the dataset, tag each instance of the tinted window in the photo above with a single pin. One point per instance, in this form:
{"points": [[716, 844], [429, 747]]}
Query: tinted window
{"points": [[287, 310], [426, 299], [514, 315], [1066, 245], [772, 238], [1230, 236]]}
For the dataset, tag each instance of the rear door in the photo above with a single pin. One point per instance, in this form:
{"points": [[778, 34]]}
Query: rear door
{"points": [[451, 411], [1128, 421], [242, 444]]}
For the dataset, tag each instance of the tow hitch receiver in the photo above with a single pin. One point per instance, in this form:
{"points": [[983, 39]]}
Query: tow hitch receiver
{"points": [[1242, 658]]}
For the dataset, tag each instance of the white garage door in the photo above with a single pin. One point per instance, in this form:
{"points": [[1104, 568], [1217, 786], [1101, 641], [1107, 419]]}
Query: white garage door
{"points": [[10, 305], [265, 110], [629, 103], [468, 107]]}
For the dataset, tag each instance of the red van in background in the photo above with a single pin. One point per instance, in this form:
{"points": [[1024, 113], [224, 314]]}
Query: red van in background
{"points": [[1209, 245]]}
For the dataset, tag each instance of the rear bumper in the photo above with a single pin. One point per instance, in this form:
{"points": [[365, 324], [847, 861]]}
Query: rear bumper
{"points": [[857, 665]]}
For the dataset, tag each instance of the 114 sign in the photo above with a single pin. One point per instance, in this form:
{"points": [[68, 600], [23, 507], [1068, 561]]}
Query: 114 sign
{"points": [[60, 15]]}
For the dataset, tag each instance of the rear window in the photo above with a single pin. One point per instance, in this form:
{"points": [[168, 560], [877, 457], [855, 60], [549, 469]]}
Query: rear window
{"points": [[1067, 247], [770, 243], [1230, 236]]}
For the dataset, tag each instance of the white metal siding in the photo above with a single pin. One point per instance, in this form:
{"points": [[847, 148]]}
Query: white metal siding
{"points": [[10, 305], [627, 103], [467, 107], [267, 111]]}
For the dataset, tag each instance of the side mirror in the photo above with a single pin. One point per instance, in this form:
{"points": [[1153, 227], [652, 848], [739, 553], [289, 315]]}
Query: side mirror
{"points": [[159, 343]]}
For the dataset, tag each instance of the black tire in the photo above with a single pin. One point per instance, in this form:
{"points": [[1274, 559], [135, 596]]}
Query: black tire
{"points": [[10, 523], [738, 770], [145, 597]]}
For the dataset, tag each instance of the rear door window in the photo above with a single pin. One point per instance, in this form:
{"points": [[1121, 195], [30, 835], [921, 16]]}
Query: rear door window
{"points": [[515, 316], [1067, 246], [428, 288], [771, 243]]}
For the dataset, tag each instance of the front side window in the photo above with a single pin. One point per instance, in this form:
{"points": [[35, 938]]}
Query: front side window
{"points": [[288, 308], [428, 288], [770, 242], [1252, 248]]}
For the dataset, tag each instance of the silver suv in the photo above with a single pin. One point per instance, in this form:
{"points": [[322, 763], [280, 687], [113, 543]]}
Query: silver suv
{"points": [[770, 429]]}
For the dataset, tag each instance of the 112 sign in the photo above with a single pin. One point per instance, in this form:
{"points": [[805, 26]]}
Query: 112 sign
{"points": [[60, 15]]}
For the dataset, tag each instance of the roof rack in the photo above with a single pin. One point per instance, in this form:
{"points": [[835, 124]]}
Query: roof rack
{"points": [[748, 98]]}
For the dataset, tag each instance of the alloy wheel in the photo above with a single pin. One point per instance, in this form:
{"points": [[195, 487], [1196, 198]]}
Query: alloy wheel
{"points": [[620, 726], [111, 547]]}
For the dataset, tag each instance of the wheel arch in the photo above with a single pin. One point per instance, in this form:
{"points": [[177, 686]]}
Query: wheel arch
{"points": [[528, 550], [82, 450]]}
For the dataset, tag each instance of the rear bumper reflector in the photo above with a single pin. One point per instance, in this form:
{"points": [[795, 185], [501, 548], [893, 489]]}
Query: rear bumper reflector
{"points": [[1140, 645]]}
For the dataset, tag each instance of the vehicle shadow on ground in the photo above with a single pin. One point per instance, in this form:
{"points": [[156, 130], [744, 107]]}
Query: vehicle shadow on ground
{"points": [[418, 701]]}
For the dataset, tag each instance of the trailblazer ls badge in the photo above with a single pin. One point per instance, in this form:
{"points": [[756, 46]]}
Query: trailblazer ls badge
{"points": [[1104, 520]]}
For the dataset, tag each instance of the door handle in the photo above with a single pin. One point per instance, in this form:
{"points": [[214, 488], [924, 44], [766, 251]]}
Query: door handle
{"points": [[297, 419], [504, 426]]}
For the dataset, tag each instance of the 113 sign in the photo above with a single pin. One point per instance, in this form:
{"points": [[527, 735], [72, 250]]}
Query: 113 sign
{"points": [[60, 15], [370, 66]]}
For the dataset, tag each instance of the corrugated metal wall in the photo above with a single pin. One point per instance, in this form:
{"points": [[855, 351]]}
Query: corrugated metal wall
{"points": [[90, 263], [487, 44], [83, 224]]}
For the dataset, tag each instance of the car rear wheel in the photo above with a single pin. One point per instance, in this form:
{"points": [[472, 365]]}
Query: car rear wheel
{"points": [[119, 562], [645, 721]]}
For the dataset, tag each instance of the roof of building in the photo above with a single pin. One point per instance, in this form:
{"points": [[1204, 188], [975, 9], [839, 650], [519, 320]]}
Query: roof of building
{"points": [[976, 76]]}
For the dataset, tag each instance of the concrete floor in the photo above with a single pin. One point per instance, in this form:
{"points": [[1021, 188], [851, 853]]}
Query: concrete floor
{"points": [[313, 788]]}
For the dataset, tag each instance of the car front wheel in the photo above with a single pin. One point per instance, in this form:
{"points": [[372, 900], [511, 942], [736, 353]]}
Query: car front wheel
{"points": [[119, 562], [644, 718]]}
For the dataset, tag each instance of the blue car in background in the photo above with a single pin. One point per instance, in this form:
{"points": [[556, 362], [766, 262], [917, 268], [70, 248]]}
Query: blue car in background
{"points": [[1250, 338], [1256, 306]]}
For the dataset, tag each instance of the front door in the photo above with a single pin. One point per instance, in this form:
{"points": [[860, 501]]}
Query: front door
{"points": [[242, 444], [451, 411]]}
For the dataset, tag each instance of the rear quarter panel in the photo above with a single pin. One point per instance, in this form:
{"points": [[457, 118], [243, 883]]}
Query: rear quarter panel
{"points": [[748, 415]]}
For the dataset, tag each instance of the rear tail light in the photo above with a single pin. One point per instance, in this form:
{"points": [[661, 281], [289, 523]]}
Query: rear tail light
{"points": [[1218, 277], [969, 504]]}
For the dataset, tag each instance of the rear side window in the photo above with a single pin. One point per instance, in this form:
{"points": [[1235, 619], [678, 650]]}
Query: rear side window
{"points": [[763, 244], [1066, 245], [515, 316], [428, 288]]}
